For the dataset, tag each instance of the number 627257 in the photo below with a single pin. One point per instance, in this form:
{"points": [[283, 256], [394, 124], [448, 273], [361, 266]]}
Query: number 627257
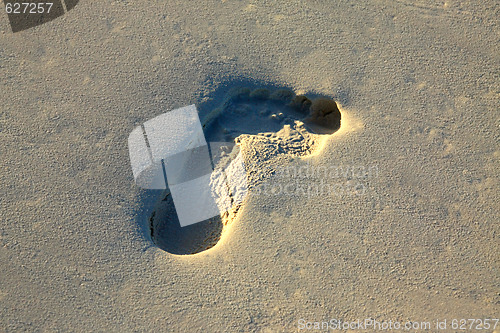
{"points": [[28, 7]]}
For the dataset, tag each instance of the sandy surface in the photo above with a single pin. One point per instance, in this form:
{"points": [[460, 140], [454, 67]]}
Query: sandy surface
{"points": [[418, 82]]}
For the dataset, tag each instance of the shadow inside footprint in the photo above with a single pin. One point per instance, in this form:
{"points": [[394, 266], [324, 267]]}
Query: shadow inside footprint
{"points": [[258, 111], [168, 234], [244, 111]]}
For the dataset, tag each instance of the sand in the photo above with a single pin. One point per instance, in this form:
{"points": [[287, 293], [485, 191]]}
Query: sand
{"points": [[415, 239]]}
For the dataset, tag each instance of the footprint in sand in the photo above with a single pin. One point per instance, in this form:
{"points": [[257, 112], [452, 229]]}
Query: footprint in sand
{"points": [[268, 127]]}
